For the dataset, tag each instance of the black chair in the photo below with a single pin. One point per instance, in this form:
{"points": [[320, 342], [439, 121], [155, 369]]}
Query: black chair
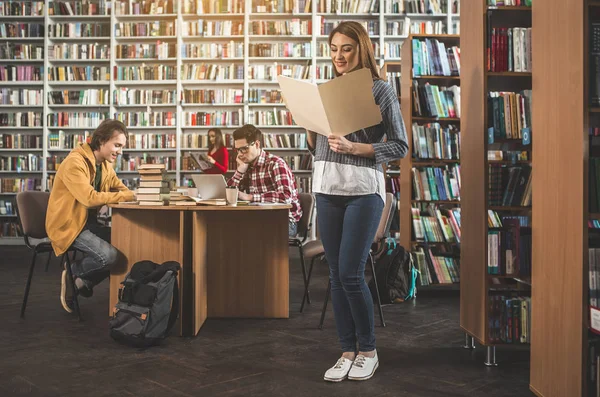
{"points": [[315, 250], [307, 203], [31, 211]]}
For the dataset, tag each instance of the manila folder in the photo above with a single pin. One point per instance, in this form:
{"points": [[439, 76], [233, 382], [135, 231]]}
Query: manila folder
{"points": [[340, 106]]}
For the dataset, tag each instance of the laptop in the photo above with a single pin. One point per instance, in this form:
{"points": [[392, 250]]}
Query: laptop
{"points": [[210, 186]]}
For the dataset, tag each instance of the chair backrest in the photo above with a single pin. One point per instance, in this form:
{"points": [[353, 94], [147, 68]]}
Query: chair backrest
{"points": [[307, 202], [389, 211], [31, 209]]}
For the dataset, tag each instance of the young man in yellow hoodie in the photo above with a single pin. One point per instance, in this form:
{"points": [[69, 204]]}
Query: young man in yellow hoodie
{"points": [[85, 181]]}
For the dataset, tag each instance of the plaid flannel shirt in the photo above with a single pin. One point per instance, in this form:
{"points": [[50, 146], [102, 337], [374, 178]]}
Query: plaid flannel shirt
{"points": [[270, 180]]}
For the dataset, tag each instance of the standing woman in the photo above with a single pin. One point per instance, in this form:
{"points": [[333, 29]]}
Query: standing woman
{"points": [[349, 185], [217, 152]]}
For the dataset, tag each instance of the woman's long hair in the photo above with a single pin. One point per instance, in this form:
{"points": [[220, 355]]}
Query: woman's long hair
{"points": [[357, 32], [218, 140]]}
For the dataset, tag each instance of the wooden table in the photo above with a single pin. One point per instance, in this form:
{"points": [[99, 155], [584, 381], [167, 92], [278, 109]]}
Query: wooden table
{"points": [[234, 259]]}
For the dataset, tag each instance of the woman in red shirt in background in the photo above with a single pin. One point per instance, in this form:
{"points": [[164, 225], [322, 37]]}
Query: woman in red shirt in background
{"points": [[218, 154]]}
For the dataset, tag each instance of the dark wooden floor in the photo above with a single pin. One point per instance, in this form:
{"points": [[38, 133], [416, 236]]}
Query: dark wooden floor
{"points": [[50, 354]]}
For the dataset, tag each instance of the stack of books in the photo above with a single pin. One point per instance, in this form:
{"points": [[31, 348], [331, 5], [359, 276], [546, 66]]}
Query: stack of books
{"points": [[154, 185]]}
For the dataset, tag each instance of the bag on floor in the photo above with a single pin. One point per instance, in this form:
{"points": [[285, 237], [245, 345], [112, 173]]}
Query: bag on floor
{"points": [[396, 275], [148, 304]]}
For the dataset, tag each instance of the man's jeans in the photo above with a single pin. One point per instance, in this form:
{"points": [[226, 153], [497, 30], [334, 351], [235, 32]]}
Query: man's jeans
{"points": [[292, 229], [99, 255]]}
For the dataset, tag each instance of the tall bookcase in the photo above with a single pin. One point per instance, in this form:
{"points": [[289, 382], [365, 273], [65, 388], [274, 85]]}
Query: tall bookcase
{"points": [[156, 69], [430, 172], [496, 150], [564, 361]]}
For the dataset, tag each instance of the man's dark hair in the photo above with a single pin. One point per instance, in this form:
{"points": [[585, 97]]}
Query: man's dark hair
{"points": [[249, 132], [105, 132]]}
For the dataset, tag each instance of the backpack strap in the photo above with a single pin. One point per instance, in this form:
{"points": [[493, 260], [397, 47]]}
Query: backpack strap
{"points": [[174, 306]]}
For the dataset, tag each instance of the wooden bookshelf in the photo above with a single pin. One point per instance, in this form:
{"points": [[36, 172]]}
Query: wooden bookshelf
{"points": [[477, 81], [407, 195], [559, 359]]}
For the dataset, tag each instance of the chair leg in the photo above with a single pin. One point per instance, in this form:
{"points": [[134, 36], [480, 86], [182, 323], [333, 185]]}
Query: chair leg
{"points": [[304, 271], [377, 289], [304, 298], [73, 286], [28, 285], [48, 261], [325, 303]]}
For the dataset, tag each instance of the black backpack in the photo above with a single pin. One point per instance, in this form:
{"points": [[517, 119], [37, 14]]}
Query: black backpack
{"points": [[148, 304], [396, 275]]}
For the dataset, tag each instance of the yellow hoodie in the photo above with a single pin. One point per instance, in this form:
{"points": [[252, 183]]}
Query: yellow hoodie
{"points": [[73, 193]]}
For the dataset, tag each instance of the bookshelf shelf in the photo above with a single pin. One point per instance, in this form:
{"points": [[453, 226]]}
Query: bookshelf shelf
{"points": [[224, 37], [437, 78], [21, 83], [144, 82], [3, 105], [21, 39], [65, 18], [146, 105], [200, 105], [483, 180], [77, 106], [78, 39], [135, 38], [510, 8], [428, 213]]}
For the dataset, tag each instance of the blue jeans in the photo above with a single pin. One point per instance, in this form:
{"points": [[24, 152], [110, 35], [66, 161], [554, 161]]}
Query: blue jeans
{"points": [[347, 226], [99, 255], [292, 229]]}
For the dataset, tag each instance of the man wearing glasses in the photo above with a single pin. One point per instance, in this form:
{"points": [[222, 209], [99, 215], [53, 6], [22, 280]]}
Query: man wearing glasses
{"points": [[267, 178]]}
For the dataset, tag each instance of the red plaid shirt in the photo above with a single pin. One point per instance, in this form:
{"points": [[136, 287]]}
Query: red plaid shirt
{"points": [[270, 180]]}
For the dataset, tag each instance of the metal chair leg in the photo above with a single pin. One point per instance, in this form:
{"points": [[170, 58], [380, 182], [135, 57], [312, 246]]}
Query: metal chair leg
{"points": [[48, 261], [73, 286], [325, 304], [304, 271], [310, 269], [28, 285], [377, 289]]}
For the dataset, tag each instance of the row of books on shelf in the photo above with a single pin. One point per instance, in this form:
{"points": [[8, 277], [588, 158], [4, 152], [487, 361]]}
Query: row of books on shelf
{"points": [[20, 141], [594, 184], [509, 49], [15, 185], [154, 28], [100, 7], [509, 249], [221, 118], [270, 72], [80, 73], [432, 58], [205, 71], [79, 51], [271, 117], [435, 268], [148, 7], [594, 276], [21, 30], [218, 96], [509, 319], [209, 28], [201, 7], [7, 207], [76, 119], [9, 96], [436, 183], [510, 185], [513, 156], [432, 141], [509, 3], [436, 224], [230, 49], [78, 30], [416, 6], [393, 79], [21, 119], [348, 6], [21, 73], [148, 72], [160, 50], [10, 229], [131, 96], [435, 101], [22, 8], [281, 50], [392, 185], [90, 96], [25, 162], [289, 141], [10, 51], [509, 114], [60, 140], [292, 27]]}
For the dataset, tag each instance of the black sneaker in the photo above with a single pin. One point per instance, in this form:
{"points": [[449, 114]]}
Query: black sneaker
{"points": [[66, 292]]}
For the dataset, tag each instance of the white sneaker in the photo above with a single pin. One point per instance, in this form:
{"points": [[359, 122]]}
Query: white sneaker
{"points": [[339, 371], [363, 367]]}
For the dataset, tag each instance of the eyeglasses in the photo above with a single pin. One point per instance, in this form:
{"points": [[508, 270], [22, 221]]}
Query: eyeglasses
{"points": [[244, 149]]}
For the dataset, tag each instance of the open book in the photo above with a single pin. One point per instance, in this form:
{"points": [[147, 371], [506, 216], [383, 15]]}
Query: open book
{"points": [[340, 106], [189, 200], [201, 161]]}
